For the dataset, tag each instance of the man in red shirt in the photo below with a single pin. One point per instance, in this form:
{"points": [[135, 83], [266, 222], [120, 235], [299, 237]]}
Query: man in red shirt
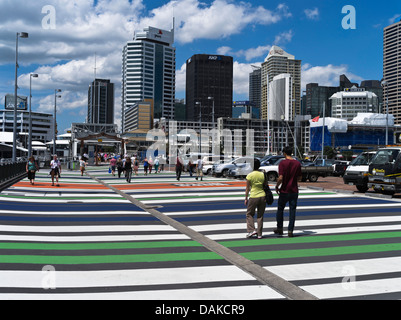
{"points": [[289, 171]]}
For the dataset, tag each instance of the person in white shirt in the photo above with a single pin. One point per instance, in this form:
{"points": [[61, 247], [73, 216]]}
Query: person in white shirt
{"points": [[199, 167], [55, 165]]}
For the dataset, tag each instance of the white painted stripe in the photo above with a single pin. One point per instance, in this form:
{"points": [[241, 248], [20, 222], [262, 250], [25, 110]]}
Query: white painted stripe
{"points": [[274, 209], [302, 223], [45, 200], [337, 269], [354, 289], [111, 278], [316, 232], [74, 213], [225, 293], [86, 228], [93, 238]]}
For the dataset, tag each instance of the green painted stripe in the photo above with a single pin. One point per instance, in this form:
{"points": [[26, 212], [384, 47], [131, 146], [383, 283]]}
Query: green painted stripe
{"points": [[75, 260], [321, 252], [98, 246], [224, 196], [61, 197], [311, 239]]}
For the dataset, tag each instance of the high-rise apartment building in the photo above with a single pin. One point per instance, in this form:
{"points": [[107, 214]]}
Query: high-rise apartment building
{"points": [[279, 62], [148, 72], [209, 82], [255, 86], [101, 102], [392, 70]]}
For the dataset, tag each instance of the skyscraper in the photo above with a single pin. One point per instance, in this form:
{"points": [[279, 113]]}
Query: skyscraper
{"points": [[392, 70], [209, 81], [101, 102], [255, 86], [148, 71], [279, 62]]}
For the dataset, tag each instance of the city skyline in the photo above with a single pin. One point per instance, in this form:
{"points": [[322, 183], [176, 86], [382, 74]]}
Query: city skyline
{"points": [[66, 38]]}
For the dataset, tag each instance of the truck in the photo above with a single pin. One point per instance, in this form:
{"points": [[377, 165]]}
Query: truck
{"points": [[357, 173], [385, 171], [311, 172]]}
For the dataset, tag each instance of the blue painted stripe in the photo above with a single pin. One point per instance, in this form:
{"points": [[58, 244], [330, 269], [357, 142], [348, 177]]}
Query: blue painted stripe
{"points": [[59, 207]]}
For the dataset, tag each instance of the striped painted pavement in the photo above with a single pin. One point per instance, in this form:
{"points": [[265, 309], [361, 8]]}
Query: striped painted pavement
{"points": [[103, 247]]}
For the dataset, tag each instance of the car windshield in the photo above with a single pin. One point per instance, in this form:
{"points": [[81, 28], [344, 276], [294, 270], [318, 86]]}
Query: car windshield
{"points": [[385, 156], [362, 160]]}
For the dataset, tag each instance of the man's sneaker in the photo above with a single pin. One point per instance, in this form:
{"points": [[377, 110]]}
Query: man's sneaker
{"points": [[251, 234], [290, 234], [278, 231], [260, 237]]}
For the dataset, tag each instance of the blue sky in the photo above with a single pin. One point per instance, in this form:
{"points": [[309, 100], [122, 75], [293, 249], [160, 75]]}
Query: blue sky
{"points": [[63, 54]]}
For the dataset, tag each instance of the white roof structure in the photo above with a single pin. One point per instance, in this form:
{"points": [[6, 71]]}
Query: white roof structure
{"points": [[6, 137], [276, 51]]}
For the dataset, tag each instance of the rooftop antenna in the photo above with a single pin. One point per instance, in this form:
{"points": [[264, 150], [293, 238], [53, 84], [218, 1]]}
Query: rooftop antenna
{"points": [[95, 66]]}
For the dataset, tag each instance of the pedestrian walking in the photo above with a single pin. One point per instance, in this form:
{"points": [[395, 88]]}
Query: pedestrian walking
{"points": [[55, 166], [289, 171], [145, 166], [150, 163], [120, 167], [136, 166], [82, 165], [178, 168], [113, 163], [257, 200], [31, 168], [156, 165], [199, 168], [128, 169]]}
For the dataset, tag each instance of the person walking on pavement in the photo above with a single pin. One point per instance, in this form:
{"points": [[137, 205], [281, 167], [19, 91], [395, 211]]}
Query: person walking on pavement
{"points": [[113, 163], [55, 166], [82, 165], [178, 168], [199, 168], [136, 166], [31, 168], [120, 167], [156, 165], [145, 166], [128, 169], [257, 200], [289, 171]]}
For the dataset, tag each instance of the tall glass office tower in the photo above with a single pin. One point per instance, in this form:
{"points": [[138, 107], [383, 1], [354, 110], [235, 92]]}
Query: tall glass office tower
{"points": [[392, 70], [148, 72]]}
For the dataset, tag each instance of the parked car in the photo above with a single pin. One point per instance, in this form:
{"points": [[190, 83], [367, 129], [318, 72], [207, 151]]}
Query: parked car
{"points": [[222, 169], [357, 173], [272, 170]]}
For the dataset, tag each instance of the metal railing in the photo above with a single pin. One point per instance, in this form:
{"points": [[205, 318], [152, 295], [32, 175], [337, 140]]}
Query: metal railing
{"points": [[11, 170]]}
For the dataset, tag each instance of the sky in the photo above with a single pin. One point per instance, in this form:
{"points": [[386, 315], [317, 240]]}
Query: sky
{"points": [[66, 37]]}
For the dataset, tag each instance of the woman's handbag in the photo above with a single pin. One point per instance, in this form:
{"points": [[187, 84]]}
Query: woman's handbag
{"points": [[266, 189]]}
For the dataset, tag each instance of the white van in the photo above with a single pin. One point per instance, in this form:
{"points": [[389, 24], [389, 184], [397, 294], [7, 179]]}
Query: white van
{"points": [[357, 173]]}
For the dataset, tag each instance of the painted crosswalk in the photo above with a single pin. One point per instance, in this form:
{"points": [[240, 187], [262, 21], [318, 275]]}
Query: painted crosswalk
{"points": [[102, 246]]}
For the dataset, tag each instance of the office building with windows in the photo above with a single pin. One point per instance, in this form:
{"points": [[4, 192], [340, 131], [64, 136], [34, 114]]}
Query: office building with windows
{"points": [[280, 62], [148, 72], [209, 82], [392, 70], [101, 102], [255, 78]]}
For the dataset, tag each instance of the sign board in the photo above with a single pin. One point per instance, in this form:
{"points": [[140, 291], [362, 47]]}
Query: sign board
{"points": [[22, 102]]}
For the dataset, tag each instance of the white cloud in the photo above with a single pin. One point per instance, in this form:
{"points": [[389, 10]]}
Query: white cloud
{"points": [[394, 18], [325, 75], [284, 37], [312, 14]]}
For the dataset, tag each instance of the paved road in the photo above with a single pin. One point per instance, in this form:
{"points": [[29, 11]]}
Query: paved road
{"points": [[97, 237]]}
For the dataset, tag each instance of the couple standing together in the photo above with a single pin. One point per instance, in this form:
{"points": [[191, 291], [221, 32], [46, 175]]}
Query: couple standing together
{"points": [[289, 171]]}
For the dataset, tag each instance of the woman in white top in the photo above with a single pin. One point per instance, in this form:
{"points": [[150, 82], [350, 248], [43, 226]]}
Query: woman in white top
{"points": [[55, 165], [82, 165]]}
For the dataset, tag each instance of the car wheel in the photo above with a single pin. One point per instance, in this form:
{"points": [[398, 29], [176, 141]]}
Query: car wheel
{"points": [[272, 176], [362, 188], [313, 177]]}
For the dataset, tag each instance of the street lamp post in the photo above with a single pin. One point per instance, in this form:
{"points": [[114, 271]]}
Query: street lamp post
{"points": [[14, 155], [32, 75], [200, 125], [212, 98], [55, 120], [385, 83]]}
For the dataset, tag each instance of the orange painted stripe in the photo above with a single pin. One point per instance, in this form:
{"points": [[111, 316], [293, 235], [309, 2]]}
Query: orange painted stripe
{"points": [[183, 185], [23, 184]]}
